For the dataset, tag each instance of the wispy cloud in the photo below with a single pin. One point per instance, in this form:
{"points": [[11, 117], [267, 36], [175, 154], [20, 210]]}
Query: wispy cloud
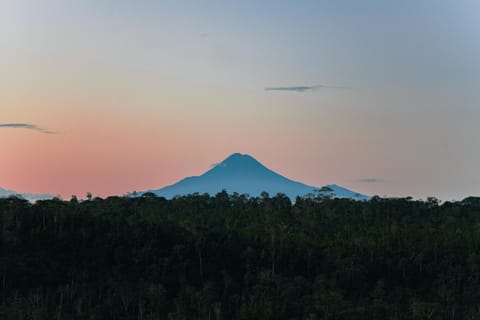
{"points": [[304, 88], [217, 164], [26, 126], [369, 180]]}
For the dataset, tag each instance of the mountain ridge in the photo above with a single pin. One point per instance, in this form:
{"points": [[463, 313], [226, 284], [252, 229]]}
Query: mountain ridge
{"points": [[244, 174], [32, 197]]}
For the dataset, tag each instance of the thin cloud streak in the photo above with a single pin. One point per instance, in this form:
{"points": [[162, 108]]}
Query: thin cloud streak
{"points": [[304, 88], [369, 180], [26, 126]]}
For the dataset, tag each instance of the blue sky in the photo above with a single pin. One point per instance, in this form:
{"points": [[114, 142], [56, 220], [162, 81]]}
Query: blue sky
{"points": [[195, 72]]}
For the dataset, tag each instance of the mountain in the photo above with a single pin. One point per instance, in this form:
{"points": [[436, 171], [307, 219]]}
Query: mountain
{"points": [[243, 174], [4, 193]]}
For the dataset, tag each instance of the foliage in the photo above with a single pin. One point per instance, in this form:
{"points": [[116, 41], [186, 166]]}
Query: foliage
{"points": [[236, 257]]}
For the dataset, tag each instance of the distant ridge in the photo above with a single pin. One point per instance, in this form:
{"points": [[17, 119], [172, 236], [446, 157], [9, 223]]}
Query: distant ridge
{"points": [[32, 197], [243, 174]]}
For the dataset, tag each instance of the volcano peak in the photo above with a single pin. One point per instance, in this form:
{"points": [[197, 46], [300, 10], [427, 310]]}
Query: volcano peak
{"points": [[243, 174]]}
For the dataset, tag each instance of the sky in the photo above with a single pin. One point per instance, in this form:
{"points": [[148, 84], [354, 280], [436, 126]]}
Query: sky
{"points": [[110, 97]]}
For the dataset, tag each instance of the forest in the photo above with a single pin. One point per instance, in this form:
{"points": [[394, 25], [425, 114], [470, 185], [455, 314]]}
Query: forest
{"points": [[239, 257]]}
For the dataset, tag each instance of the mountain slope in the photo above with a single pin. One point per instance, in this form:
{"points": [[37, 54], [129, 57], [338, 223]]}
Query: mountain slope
{"points": [[243, 174]]}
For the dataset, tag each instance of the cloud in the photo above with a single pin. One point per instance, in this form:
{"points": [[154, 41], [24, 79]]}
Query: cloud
{"points": [[303, 88], [369, 180], [217, 164], [26, 126]]}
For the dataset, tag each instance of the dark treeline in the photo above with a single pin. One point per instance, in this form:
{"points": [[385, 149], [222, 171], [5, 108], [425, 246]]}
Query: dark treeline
{"points": [[234, 257]]}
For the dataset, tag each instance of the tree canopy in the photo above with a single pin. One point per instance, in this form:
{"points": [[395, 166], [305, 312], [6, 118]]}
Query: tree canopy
{"points": [[237, 257]]}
